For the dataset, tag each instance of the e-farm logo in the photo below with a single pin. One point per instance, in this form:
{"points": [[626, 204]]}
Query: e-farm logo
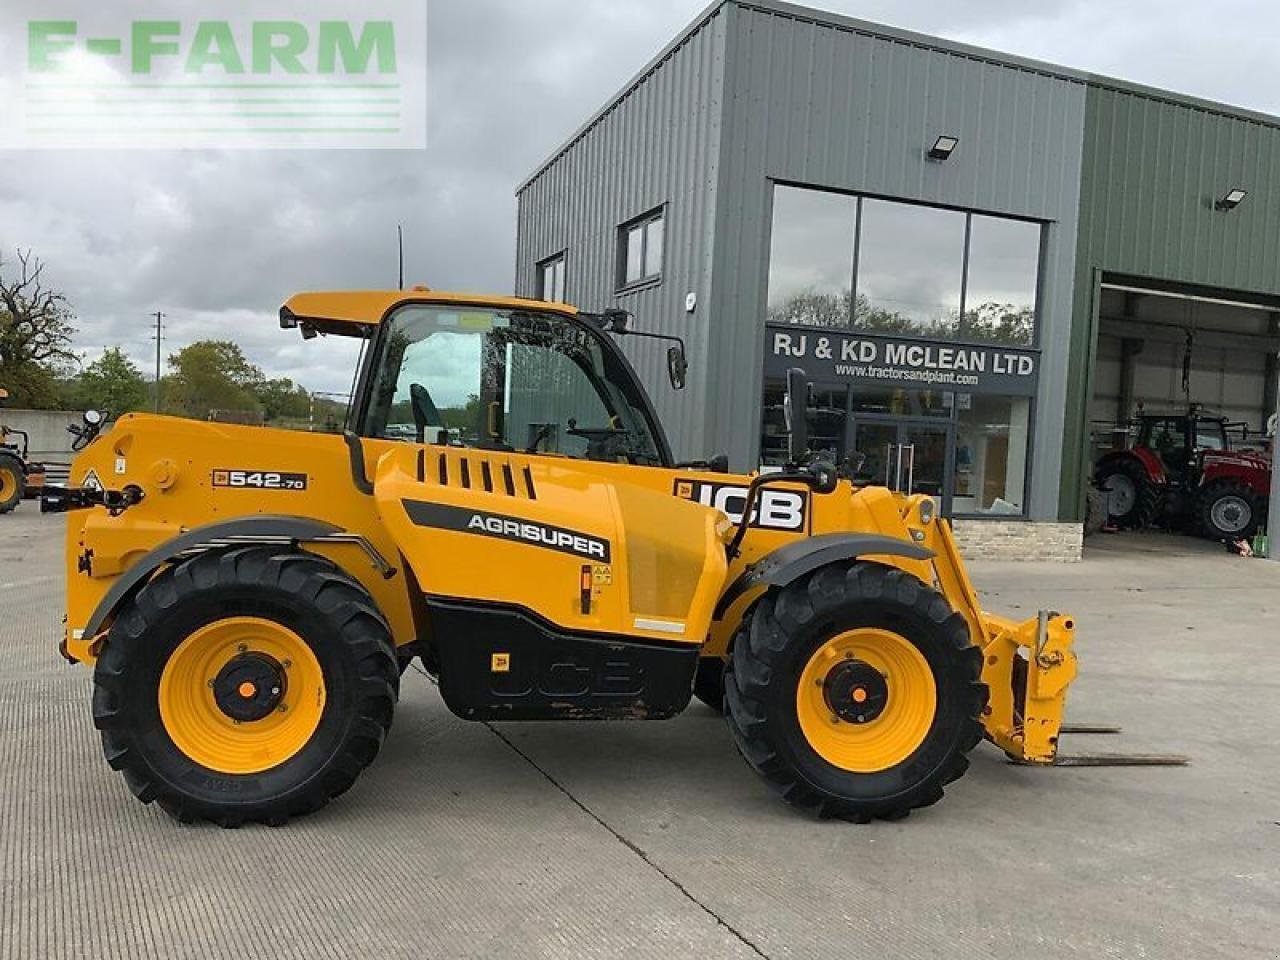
{"points": [[261, 73]]}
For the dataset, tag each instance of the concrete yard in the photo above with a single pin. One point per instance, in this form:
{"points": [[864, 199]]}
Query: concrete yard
{"points": [[656, 840]]}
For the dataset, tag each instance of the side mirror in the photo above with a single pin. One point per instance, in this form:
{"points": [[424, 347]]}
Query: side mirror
{"points": [[619, 321], [795, 407], [93, 418], [677, 367]]}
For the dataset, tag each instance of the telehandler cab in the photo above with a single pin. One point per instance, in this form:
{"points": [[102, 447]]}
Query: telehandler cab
{"points": [[504, 506]]}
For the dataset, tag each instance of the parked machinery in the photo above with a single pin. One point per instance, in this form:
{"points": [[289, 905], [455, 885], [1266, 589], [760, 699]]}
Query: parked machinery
{"points": [[19, 477], [1181, 471]]}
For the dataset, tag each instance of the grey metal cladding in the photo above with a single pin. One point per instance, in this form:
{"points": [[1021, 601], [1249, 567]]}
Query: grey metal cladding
{"points": [[657, 144], [827, 102]]}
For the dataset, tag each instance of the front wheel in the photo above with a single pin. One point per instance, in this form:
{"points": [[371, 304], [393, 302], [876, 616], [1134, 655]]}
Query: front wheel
{"points": [[1229, 510], [856, 692], [245, 686]]}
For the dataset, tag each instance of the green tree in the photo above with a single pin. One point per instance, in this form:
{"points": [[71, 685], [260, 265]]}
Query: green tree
{"points": [[283, 399], [112, 382], [35, 334], [809, 308], [1005, 323], [211, 375]]}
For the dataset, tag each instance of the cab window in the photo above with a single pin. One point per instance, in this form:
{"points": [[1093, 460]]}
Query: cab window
{"points": [[508, 380], [1210, 436]]}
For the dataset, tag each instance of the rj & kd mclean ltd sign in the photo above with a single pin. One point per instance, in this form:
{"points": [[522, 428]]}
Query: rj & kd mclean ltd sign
{"points": [[900, 361]]}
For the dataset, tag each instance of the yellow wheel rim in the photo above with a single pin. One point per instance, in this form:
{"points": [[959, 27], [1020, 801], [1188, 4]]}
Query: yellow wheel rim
{"points": [[8, 483], [203, 729], [904, 719]]}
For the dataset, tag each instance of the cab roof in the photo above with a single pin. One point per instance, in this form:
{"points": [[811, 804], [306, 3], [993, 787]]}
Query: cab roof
{"points": [[355, 312]]}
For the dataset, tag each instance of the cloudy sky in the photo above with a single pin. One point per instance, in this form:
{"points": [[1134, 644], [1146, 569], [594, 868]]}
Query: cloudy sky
{"points": [[217, 240]]}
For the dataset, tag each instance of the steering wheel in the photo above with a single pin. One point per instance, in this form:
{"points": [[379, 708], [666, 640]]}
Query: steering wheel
{"points": [[425, 413], [603, 443]]}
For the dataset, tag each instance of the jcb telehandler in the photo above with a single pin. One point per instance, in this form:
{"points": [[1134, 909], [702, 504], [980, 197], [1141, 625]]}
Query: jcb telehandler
{"points": [[504, 506]]}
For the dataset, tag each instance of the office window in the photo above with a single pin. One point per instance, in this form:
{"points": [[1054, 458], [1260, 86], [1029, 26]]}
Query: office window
{"points": [[551, 279], [640, 247], [991, 454], [1000, 293], [811, 257], [837, 260], [910, 267]]}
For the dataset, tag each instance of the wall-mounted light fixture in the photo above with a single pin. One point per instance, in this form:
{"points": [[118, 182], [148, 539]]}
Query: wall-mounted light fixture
{"points": [[943, 148], [1232, 200]]}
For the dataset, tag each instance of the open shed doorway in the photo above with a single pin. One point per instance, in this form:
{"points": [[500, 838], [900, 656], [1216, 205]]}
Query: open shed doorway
{"points": [[1184, 388]]}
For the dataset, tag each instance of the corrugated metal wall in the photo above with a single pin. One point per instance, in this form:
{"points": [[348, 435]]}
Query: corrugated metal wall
{"points": [[658, 145], [1153, 168], [821, 102]]}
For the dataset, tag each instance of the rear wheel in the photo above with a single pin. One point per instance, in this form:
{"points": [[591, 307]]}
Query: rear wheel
{"points": [[11, 482], [1132, 499], [856, 692], [245, 686], [1228, 510]]}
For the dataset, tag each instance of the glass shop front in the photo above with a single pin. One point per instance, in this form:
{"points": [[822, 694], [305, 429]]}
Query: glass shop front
{"points": [[917, 326]]}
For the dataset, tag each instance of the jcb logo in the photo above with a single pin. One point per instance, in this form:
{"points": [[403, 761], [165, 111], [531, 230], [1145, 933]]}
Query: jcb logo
{"points": [[775, 509]]}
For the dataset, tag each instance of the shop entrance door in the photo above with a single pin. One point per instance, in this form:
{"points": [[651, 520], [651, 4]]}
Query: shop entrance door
{"points": [[905, 455]]}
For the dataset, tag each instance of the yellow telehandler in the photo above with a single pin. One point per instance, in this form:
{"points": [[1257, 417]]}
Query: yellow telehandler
{"points": [[505, 507]]}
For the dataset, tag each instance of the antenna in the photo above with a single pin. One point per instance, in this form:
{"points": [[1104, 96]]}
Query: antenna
{"points": [[400, 239]]}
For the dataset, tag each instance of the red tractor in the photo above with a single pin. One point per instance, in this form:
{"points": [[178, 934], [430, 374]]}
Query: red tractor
{"points": [[1182, 472]]}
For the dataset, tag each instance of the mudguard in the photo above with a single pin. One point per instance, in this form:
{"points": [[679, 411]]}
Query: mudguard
{"points": [[789, 563], [1151, 464], [244, 530]]}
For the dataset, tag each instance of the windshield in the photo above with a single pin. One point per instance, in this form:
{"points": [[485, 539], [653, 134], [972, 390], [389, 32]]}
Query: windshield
{"points": [[507, 380]]}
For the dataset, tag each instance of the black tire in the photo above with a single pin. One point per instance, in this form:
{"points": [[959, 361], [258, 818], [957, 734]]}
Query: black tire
{"points": [[769, 657], [708, 683], [1095, 515], [333, 615], [12, 482], [1229, 510], [1143, 507]]}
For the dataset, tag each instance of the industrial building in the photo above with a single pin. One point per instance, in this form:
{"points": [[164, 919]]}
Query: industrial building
{"points": [[986, 264]]}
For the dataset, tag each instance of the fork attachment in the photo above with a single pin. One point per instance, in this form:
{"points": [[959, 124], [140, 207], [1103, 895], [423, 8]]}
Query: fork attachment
{"points": [[1027, 667]]}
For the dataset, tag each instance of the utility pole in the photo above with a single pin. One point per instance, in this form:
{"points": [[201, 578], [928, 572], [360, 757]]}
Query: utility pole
{"points": [[159, 334]]}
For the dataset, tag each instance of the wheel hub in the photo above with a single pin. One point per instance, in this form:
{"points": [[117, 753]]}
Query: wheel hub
{"points": [[855, 691], [1121, 494], [1231, 514], [250, 687]]}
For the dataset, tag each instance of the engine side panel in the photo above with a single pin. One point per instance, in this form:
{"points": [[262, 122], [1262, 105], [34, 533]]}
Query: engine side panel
{"points": [[584, 547]]}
